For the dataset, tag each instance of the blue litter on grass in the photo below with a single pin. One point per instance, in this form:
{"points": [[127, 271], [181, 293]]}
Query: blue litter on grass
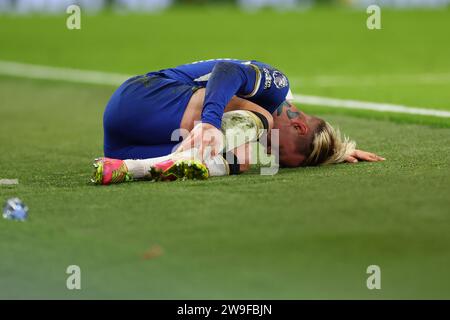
{"points": [[15, 209]]}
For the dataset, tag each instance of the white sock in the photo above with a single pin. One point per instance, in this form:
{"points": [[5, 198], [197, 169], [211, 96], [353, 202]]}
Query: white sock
{"points": [[140, 168], [217, 166]]}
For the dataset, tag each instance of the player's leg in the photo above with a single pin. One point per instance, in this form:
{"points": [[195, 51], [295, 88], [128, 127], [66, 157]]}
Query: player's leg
{"points": [[109, 171], [112, 169], [239, 128], [143, 111], [180, 165], [138, 124], [177, 165], [141, 117]]}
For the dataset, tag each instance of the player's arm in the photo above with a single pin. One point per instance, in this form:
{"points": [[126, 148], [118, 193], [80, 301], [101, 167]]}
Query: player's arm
{"points": [[237, 103], [227, 80]]}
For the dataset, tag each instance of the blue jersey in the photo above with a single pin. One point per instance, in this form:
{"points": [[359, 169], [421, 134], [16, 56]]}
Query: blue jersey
{"points": [[252, 80], [144, 112]]}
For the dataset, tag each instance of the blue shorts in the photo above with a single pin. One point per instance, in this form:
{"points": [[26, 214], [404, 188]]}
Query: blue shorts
{"points": [[142, 114]]}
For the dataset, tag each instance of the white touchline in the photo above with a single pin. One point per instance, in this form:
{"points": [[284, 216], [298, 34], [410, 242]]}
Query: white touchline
{"points": [[372, 80], [33, 71], [8, 182], [364, 105]]}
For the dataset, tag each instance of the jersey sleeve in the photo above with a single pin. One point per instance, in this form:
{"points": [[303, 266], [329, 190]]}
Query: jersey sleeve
{"points": [[255, 81], [272, 87], [226, 80]]}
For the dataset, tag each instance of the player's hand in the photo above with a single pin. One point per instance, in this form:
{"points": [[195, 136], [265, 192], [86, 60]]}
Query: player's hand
{"points": [[204, 137], [359, 155]]}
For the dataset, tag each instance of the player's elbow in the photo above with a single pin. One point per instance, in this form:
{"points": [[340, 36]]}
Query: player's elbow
{"points": [[228, 68]]}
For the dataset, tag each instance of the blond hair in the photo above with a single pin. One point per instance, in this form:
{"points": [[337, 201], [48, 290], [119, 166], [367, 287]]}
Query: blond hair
{"points": [[328, 146]]}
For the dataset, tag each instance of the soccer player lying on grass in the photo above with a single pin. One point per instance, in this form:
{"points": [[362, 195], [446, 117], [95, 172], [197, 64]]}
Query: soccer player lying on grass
{"points": [[145, 111]]}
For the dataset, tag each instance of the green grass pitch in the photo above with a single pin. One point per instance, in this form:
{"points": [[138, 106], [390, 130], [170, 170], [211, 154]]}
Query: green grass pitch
{"points": [[303, 233]]}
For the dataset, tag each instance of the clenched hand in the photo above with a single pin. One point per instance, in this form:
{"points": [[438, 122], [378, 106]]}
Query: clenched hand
{"points": [[203, 135]]}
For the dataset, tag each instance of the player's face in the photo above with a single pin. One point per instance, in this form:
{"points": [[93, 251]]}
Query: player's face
{"points": [[291, 134], [295, 139]]}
